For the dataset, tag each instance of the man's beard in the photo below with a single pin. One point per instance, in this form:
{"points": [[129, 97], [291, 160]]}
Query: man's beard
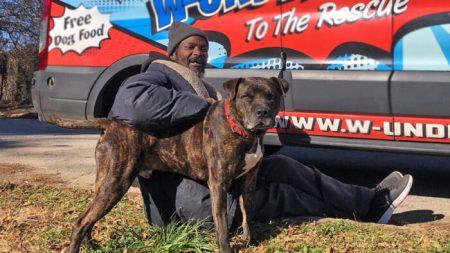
{"points": [[200, 71]]}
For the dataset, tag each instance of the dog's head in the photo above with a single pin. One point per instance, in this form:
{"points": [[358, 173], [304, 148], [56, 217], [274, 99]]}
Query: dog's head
{"points": [[255, 101]]}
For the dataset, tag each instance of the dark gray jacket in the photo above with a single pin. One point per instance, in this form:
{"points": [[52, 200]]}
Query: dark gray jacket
{"points": [[159, 99]]}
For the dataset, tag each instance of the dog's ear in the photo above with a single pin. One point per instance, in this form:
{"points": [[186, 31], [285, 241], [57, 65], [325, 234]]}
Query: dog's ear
{"points": [[231, 87], [281, 83]]}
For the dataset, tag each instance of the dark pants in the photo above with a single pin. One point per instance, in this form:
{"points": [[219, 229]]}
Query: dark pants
{"points": [[285, 188]]}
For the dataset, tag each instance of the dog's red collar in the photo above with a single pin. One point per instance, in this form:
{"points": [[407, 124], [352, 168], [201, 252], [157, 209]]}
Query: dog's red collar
{"points": [[235, 127]]}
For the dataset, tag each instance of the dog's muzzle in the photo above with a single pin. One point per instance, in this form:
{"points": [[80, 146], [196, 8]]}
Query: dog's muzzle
{"points": [[260, 119]]}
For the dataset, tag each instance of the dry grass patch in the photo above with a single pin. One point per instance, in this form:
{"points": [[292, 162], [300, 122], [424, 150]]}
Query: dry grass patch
{"points": [[18, 112], [39, 218]]}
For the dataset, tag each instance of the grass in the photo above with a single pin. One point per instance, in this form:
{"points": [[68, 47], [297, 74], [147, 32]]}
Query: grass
{"points": [[38, 219], [175, 237]]}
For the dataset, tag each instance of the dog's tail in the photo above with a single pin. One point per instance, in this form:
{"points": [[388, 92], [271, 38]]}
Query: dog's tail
{"points": [[100, 123]]}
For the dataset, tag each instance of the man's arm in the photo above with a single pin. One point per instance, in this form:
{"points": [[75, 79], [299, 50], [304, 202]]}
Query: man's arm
{"points": [[148, 103]]}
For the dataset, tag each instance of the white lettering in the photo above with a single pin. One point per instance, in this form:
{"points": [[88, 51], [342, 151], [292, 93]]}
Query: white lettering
{"points": [[329, 124], [368, 13], [358, 127], [168, 11], [341, 15], [384, 9], [303, 123], [356, 12], [261, 31], [293, 23], [290, 22], [413, 129], [257, 28], [281, 122], [435, 131], [327, 12], [387, 129], [400, 6], [331, 16]]}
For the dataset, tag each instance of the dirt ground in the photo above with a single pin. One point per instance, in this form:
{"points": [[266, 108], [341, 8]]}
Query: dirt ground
{"points": [[18, 173], [24, 174], [23, 112]]}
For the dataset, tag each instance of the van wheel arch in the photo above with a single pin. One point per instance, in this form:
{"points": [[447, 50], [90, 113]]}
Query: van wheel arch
{"points": [[105, 88]]}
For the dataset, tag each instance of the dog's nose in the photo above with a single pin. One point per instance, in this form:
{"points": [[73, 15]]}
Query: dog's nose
{"points": [[260, 113]]}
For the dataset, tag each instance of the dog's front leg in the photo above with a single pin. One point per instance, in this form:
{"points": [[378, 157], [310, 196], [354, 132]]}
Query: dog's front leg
{"points": [[246, 202], [218, 190]]}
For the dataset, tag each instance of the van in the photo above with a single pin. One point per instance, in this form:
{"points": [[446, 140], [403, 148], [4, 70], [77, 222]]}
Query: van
{"points": [[368, 74]]}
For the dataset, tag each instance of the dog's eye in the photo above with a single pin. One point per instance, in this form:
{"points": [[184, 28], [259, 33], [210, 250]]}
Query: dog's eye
{"points": [[269, 96], [247, 96]]}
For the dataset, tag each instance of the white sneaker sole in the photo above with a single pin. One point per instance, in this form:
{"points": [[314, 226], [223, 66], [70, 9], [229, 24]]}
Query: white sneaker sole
{"points": [[388, 213]]}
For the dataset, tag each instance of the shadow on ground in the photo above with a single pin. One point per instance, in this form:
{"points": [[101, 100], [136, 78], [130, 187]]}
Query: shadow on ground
{"points": [[416, 216]]}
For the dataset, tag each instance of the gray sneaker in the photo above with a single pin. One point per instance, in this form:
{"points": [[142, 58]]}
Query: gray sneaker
{"points": [[392, 179], [389, 198]]}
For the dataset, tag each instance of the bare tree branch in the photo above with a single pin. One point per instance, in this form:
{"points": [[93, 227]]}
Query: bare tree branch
{"points": [[19, 23], [19, 40]]}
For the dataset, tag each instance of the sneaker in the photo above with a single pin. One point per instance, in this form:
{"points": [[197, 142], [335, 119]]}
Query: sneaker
{"points": [[389, 198], [389, 181]]}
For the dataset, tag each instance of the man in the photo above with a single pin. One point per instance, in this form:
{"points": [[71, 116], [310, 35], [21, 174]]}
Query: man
{"points": [[163, 100]]}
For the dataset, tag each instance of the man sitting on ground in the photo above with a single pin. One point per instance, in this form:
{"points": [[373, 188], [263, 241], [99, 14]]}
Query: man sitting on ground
{"points": [[161, 99]]}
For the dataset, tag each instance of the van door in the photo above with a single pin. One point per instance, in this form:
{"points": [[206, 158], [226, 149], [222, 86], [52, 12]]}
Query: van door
{"points": [[421, 81], [339, 54], [241, 41]]}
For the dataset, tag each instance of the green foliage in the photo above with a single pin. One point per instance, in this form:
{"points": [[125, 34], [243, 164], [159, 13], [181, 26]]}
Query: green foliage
{"points": [[306, 248], [440, 247], [333, 228], [176, 237]]}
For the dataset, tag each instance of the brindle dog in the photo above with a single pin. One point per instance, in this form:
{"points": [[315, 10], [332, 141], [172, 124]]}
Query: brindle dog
{"points": [[226, 146]]}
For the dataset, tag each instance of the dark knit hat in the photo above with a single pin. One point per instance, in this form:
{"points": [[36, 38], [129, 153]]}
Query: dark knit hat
{"points": [[180, 31]]}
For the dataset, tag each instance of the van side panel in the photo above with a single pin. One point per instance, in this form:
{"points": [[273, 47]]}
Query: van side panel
{"points": [[67, 93], [421, 82], [334, 35], [364, 74], [341, 88], [421, 93], [360, 92]]}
